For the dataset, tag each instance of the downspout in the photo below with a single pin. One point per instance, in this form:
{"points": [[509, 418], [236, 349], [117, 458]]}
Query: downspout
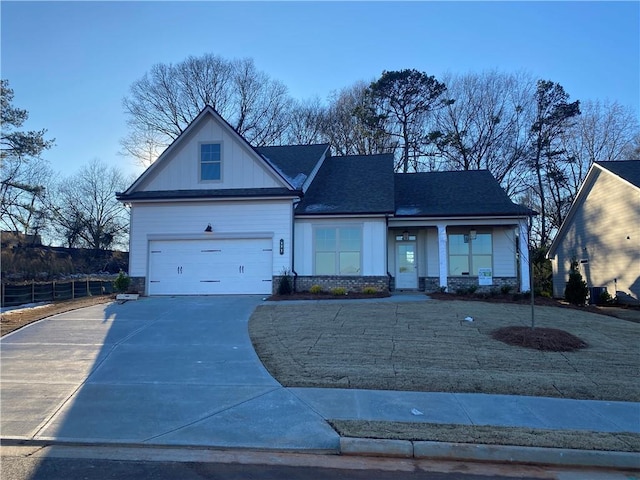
{"points": [[293, 250], [386, 220]]}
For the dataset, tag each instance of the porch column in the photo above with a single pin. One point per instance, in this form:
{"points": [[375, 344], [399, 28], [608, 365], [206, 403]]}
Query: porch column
{"points": [[523, 247], [442, 254]]}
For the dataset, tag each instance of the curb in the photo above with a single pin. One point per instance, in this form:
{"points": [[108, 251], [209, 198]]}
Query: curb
{"points": [[424, 450]]}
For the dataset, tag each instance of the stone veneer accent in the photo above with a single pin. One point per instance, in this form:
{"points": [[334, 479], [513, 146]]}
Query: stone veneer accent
{"points": [[456, 283], [327, 282], [138, 284]]}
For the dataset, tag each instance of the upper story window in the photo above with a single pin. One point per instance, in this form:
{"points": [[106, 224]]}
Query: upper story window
{"points": [[210, 161], [467, 254]]}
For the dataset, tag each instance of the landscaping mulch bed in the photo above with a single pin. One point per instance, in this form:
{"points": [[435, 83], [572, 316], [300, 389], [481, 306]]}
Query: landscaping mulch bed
{"points": [[327, 296], [545, 339], [14, 319]]}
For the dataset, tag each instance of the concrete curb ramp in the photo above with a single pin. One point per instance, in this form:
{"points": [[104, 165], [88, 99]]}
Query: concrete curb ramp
{"points": [[488, 453]]}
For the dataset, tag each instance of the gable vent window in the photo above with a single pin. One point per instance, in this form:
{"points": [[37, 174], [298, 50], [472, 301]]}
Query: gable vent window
{"points": [[210, 161]]}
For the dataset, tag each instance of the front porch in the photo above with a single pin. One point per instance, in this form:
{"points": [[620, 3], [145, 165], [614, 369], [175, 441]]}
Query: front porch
{"points": [[458, 255]]}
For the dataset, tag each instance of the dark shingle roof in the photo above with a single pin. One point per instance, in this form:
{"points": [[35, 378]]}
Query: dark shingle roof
{"points": [[627, 169], [223, 193], [440, 194], [351, 185], [295, 162]]}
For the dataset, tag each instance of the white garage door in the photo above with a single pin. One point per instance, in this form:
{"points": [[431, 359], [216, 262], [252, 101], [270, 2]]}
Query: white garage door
{"points": [[205, 267]]}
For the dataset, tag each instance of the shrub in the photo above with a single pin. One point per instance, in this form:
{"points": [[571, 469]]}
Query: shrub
{"points": [[370, 290], [576, 290], [122, 282], [506, 289], [285, 286], [605, 298], [472, 289], [338, 291], [443, 289], [315, 289]]}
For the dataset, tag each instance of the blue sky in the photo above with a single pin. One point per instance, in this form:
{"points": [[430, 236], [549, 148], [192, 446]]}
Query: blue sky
{"points": [[71, 63]]}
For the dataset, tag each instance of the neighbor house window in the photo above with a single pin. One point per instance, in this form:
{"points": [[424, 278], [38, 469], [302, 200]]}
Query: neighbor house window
{"points": [[338, 250], [469, 253], [210, 161]]}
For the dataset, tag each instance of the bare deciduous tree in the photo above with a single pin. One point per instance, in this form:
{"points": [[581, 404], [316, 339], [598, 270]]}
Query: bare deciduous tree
{"points": [[165, 100], [86, 211]]}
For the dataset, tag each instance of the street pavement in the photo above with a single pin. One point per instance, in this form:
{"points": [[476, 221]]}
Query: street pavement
{"points": [[181, 371]]}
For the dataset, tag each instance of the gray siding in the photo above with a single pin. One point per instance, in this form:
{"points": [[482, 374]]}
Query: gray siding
{"points": [[604, 233]]}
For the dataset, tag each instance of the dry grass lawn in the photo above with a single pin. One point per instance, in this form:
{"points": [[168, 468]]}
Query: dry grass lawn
{"points": [[428, 346]]}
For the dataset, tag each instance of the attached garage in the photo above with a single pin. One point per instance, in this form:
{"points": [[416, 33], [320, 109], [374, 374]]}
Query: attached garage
{"points": [[210, 267]]}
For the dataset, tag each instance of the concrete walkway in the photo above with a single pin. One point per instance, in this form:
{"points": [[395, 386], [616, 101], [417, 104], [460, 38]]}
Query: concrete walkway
{"points": [[182, 371]]}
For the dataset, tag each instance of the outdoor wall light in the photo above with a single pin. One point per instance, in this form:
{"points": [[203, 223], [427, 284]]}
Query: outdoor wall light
{"points": [[208, 229], [281, 246], [473, 234], [405, 235]]}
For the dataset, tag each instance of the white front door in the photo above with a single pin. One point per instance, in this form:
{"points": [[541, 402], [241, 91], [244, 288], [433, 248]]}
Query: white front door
{"points": [[406, 266]]}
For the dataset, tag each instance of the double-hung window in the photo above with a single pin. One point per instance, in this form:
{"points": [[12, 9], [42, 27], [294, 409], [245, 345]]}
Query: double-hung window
{"points": [[338, 250], [210, 161], [467, 254]]}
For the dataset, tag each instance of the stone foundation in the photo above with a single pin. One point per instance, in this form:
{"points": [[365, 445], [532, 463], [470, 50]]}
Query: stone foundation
{"points": [[327, 282], [138, 285]]}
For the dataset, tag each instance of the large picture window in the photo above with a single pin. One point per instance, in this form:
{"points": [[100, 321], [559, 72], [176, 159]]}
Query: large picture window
{"points": [[467, 254], [338, 250], [210, 161]]}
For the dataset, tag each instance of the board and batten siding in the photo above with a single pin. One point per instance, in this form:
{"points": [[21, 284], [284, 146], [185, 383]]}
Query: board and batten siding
{"points": [[187, 219], [181, 169], [374, 233], [597, 235]]}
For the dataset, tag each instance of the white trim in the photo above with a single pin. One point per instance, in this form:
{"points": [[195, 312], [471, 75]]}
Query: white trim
{"points": [[462, 221], [205, 199], [523, 246], [208, 236], [307, 183], [221, 162], [443, 256]]}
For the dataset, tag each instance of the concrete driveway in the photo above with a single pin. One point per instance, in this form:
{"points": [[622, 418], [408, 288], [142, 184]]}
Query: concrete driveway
{"points": [[159, 371]]}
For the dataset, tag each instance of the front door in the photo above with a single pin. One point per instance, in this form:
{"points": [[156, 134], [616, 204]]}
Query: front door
{"points": [[406, 266]]}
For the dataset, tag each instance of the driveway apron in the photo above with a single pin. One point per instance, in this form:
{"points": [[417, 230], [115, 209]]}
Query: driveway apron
{"points": [[159, 371]]}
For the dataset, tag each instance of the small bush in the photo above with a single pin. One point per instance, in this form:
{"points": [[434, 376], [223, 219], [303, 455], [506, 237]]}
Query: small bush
{"points": [[122, 282], [285, 286], [443, 289], [338, 291], [576, 290], [370, 290], [605, 298], [472, 289], [315, 289], [506, 289]]}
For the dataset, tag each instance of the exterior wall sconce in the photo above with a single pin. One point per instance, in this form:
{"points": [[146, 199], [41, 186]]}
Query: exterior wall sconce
{"points": [[405, 235], [281, 246], [473, 234], [208, 229]]}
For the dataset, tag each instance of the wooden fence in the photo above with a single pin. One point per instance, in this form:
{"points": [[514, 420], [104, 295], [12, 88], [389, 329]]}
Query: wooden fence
{"points": [[14, 294]]}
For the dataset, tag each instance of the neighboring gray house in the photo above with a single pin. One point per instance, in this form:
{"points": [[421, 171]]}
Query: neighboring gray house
{"points": [[602, 232], [214, 215]]}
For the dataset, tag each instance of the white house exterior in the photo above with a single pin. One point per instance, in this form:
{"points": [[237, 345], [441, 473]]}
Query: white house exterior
{"points": [[602, 232], [213, 215]]}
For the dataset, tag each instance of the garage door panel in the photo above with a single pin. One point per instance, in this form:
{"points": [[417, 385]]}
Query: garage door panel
{"points": [[199, 267]]}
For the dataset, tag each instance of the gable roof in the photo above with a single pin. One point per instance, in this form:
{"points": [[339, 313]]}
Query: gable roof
{"points": [[628, 170], [355, 184], [206, 111], [295, 162], [445, 194]]}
